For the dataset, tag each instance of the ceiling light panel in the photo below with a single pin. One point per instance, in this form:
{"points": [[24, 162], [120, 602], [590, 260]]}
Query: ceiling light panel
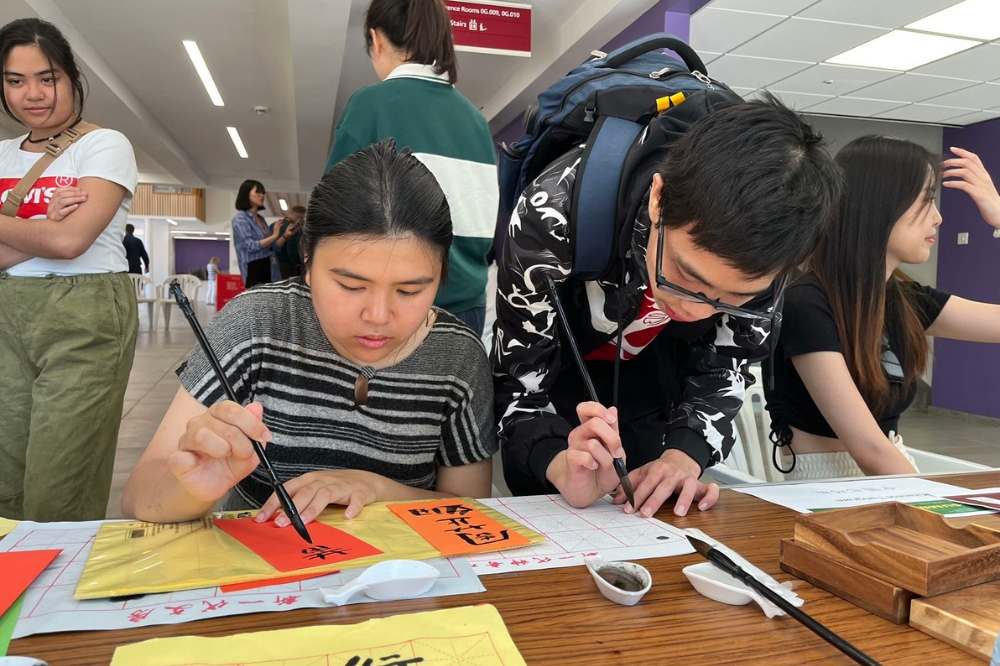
{"points": [[902, 50], [238, 142], [202, 68], [882, 13], [808, 40], [976, 19]]}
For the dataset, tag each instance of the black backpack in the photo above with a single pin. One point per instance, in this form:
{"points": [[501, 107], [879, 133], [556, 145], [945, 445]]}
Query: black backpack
{"points": [[628, 106]]}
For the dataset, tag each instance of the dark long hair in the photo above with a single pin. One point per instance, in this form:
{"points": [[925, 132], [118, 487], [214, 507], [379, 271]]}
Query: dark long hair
{"points": [[421, 29], [243, 196], [48, 38], [883, 176], [379, 192]]}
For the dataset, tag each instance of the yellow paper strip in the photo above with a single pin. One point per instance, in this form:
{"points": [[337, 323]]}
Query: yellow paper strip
{"points": [[139, 558], [7, 526], [469, 636]]}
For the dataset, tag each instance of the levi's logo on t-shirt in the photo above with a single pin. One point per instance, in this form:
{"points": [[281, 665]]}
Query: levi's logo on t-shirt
{"points": [[36, 201]]}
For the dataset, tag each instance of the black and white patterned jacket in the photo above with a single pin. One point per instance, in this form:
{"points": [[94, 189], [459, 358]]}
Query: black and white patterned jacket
{"points": [[711, 370]]}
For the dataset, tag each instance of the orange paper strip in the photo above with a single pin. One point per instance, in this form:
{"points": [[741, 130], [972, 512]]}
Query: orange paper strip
{"points": [[254, 584], [285, 550], [20, 568], [455, 528]]}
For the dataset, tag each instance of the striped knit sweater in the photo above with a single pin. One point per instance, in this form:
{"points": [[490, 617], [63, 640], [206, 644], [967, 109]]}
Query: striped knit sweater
{"points": [[433, 408], [445, 131]]}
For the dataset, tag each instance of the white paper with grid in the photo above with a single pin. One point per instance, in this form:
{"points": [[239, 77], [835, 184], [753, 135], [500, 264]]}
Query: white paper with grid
{"points": [[572, 534], [49, 605]]}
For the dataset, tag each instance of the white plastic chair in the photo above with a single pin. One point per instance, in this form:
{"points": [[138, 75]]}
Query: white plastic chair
{"points": [[146, 292], [189, 284]]}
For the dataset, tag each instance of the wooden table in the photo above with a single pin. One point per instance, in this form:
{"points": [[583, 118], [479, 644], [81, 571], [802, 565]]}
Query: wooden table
{"points": [[557, 616]]}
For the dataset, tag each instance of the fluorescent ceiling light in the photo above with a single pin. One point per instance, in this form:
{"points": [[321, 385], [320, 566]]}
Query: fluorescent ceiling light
{"points": [[902, 50], [238, 142], [978, 19], [283, 204], [171, 222], [206, 76]]}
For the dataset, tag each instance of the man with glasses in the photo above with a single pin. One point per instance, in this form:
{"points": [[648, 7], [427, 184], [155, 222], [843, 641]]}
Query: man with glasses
{"points": [[668, 332]]}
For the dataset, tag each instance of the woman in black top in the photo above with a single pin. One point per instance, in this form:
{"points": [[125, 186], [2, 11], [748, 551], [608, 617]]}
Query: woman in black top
{"points": [[853, 339]]}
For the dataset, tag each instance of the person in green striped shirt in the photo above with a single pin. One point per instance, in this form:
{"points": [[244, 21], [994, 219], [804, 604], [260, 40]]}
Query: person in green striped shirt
{"points": [[416, 103]]}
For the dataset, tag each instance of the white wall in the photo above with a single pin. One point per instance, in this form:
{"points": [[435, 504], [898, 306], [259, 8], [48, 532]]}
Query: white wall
{"points": [[220, 207]]}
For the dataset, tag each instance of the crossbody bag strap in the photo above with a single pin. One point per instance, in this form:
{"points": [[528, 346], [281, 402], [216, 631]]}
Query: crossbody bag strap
{"points": [[53, 149]]}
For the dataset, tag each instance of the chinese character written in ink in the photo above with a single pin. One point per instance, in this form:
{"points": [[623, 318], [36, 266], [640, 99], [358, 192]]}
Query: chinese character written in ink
{"points": [[178, 610], [542, 560], [356, 661], [483, 538], [450, 509], [285, 601], [139, 615], [322, 552], [460, 524], [495, 565], [209, 606], [519, 563]]}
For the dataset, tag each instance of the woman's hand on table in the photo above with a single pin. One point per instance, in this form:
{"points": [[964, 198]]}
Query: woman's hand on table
{"points": [[674, 473], [313, 492]]}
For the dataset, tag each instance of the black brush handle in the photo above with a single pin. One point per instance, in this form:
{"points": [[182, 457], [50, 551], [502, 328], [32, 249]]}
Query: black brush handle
{"points": [[722, 561], [286, 503]]}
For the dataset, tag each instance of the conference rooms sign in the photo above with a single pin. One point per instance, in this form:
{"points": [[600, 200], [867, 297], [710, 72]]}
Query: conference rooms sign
{"points": [[491, 27]]}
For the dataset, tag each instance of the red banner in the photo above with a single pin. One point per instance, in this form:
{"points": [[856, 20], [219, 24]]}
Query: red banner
{"points": [[491, 27]]}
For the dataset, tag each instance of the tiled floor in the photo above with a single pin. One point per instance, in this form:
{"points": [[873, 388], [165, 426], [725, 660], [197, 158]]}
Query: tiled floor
{"points": [[153, 384]]}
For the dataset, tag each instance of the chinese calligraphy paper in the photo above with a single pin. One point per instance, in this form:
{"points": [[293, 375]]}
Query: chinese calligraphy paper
{"points": [[455, 527], [468, 636], [285, 550]]}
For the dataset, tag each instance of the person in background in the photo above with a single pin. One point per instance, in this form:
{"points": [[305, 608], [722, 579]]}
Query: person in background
{"points": [[68, 314], [412, 50], [212, 272], [134, 251], [255, 242], [361, 389], [290, 255], [854, 339]]}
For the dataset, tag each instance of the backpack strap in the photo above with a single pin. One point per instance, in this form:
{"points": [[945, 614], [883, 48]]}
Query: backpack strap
{"points": [[53, 149], [595, 195]]}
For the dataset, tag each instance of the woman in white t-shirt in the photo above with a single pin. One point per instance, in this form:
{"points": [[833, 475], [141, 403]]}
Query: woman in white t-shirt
{"points": [[212, 269], [68, 313]]}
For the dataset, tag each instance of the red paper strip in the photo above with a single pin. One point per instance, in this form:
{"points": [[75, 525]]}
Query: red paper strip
{"points": [[254, 584], [284, 549], [455, 528], [20, 568]]}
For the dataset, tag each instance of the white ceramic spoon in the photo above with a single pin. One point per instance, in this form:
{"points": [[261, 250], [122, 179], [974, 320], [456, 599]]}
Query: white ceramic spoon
{"points": [[385, 581]]}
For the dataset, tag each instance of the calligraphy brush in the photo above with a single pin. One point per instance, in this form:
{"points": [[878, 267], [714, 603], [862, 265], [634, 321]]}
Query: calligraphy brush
{"points": [[279, 488], [619, 464], [722, 561]]}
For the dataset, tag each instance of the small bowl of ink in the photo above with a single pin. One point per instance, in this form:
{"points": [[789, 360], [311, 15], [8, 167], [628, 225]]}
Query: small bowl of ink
{"points": [[624, 583]]}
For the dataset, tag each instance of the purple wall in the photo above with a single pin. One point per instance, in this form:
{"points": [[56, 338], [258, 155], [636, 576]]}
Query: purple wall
{"points": [[967, 374], [192, 254]]}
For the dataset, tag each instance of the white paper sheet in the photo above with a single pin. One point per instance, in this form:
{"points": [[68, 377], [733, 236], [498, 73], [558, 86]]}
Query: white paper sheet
{"points": [[49, 605], [572, 534], [808, 497]]}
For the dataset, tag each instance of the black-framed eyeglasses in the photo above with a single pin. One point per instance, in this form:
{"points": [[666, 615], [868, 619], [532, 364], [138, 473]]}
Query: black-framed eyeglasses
{"points": [[772, 315]]}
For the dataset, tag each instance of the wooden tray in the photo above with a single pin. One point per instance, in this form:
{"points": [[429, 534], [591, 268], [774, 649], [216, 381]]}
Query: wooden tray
{"points": [[886, 600], [909, 547], [968, 619]]}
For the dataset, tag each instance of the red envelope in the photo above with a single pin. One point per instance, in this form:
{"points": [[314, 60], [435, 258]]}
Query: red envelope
{"points": [[20, 568], [284, 549]]}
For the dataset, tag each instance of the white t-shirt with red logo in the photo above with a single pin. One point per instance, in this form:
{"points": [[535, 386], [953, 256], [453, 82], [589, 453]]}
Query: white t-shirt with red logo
{"points": [[637, 336], [103, 153]]}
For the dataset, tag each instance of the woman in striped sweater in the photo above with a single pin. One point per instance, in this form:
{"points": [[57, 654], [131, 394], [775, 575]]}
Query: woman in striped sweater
{"points": [[361, 390]]}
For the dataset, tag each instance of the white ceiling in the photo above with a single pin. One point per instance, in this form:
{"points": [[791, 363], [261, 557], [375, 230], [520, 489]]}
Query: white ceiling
{"points": [[300, 58], [781, 46]]}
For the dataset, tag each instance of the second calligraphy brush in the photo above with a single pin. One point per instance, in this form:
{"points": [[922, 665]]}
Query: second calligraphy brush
{"points": [[279, 488], [619, 464]]}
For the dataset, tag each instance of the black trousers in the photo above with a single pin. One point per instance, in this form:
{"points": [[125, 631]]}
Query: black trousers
{"points": [[258, 272]]}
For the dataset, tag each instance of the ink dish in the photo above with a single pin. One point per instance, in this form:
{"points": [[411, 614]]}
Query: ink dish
{"points": [[624, 583]]}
